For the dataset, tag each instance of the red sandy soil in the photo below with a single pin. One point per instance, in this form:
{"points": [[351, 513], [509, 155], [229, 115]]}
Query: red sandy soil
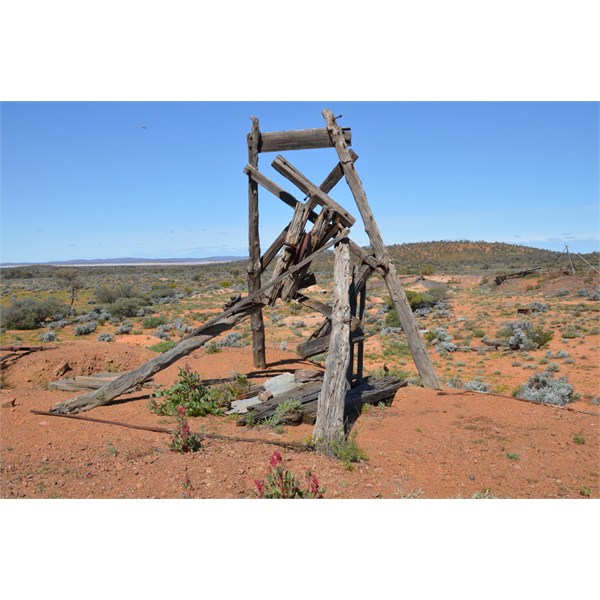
{"points": [[428, 444]]}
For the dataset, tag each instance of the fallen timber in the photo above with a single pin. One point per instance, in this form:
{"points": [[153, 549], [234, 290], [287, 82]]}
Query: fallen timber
{"points": [[240, 310], [501, 278], [370, 391]]}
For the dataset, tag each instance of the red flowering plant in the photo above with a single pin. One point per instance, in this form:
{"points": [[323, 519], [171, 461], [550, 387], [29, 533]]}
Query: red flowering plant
{"points": [[183, 439], [281, 483]]}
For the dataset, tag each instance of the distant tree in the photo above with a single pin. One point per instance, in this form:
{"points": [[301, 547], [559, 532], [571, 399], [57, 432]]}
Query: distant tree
{"points": [[427, 270], [71, 281]]}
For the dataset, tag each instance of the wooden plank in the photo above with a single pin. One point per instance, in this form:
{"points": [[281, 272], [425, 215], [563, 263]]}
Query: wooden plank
{"points": [[272, 187], [257, 325], [371, 391], [285, 168], [299, 139], [407, 320], [329, 425]]}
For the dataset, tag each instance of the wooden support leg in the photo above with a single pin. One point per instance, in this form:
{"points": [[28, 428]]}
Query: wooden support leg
{"points": [[407, 320], [329, 426], [254, 266]]}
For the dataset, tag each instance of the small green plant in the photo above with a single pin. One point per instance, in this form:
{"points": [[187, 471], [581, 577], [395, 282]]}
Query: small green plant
{"points": [[512, 456], [485, 494], [585, 491], [287, 411], [579, 439], [282, 484], [163, 346], [347, 450], [189, 392], [183, 440], [112, 449], [212, 348], [153, 322]]}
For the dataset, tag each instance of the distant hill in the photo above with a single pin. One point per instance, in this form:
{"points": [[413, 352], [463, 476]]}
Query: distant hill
{"points": [[480, 256], [130, 261], [456, 257]]}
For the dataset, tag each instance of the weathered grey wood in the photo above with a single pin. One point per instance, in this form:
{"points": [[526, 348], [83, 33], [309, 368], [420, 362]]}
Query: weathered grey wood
{"points": [[407, 320], [299, 139], [317, 237], [84, 382], [130, 380], [276, 190], [360, 349], [328, 184], [255, 265], [285, 168], [371, 391], [330, 411], [236, 313], [290, 247], [320, 344]]}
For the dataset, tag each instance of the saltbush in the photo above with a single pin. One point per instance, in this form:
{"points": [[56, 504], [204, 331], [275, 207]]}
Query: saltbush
{"points": [[49, 336], [543, 388], [106, 337], [85, 328]]}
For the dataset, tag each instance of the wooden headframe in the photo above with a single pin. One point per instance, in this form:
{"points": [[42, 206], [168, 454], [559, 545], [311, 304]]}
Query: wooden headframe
{"points": [[295, 249]]}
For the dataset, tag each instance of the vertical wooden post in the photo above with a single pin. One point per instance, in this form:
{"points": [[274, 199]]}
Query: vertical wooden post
{"points": [[361, 345], [329, 426], [254, 266], [407, 320], [352, 295]]}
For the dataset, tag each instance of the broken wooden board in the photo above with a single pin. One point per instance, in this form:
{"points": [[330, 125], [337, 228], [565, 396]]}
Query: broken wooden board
{"points": [[87, 382], [370, 391]]}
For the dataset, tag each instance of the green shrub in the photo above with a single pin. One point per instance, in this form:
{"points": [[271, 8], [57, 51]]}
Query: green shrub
{"points": [[109, 295], [153, 322], [127, 307], [392, 319], [30, 313], [163, 346], [195, 397]]}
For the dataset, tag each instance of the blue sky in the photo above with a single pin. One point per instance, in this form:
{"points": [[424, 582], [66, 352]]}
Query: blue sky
{"points": [[86, 180]]}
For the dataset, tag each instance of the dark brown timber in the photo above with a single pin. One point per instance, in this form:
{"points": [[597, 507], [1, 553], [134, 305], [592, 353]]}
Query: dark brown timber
{"points": [[407, 320], [255, 265]]}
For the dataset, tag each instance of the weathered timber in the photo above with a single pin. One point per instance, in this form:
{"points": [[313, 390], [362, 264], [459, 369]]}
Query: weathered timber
{"points": [[192, 341], [320, 344], [328, 184], [290, 247], [85, 382], [272, 187], [285, 168], [501, 278], [319, 234], [299, 139], [324, 309], [130, 380], [255, 266], [407, 320], [330, 411], [370, 391], [360, 349]]}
